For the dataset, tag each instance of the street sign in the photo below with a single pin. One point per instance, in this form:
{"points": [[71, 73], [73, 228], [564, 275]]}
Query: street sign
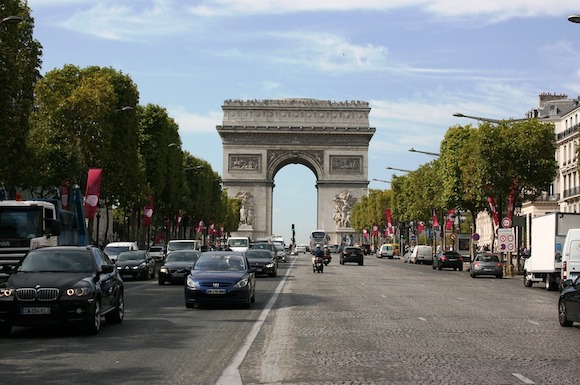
{"points": [[506, 240], [506, 222], [452, 235], [475, 237]]}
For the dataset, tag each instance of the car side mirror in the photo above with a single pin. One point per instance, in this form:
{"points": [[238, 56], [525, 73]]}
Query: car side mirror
{"points": [[107, 269]]}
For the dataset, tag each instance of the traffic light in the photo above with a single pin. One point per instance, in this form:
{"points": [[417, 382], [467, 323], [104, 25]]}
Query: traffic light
{"points": [[293, 233]]}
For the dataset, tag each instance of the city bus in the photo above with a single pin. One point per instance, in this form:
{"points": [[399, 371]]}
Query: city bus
{"points": [[318, 237]]}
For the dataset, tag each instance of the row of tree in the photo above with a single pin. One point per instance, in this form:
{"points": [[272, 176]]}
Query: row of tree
{"points": [[491, 168], [54, 128]]}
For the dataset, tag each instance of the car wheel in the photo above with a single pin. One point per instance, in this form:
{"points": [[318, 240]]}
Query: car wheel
{"points": [[527, 281], [563, 315], [161, 282], [499, 276], [152, 275], [273, 274], [5, 330], [118, 313], [550, 284], [461, 268], [93, 321], [189, 305], [439, 267], [434, 266], [472, 275], [361, 263]]}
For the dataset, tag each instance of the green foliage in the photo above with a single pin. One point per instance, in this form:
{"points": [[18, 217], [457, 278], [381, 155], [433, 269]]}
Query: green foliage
{"points": [[19, 70]]}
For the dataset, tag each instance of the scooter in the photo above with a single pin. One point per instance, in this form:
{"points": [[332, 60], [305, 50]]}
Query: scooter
{"points": [[326, 260], [317, 265]]}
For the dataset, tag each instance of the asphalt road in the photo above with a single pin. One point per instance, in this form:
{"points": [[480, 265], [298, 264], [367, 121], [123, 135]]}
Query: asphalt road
{"points": [[382, 323]]}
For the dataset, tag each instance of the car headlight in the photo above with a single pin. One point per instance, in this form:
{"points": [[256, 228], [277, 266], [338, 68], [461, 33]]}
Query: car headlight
{"points": [[6, 293], [191, 283], [163, 270], [242, 283], [270, 265], [142, 265], [79, 291]]}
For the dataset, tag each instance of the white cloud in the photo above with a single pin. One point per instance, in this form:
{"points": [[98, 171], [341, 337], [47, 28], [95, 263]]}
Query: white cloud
{"points": [[192, 123]]}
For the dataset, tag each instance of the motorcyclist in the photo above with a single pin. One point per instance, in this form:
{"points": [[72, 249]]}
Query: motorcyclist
{"points": [[327, 257], [318, 256]]}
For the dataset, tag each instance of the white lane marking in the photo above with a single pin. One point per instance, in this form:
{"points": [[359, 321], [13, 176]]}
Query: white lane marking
{"points": [[231, 374], [533, 322], [423, 319], [523, 379]]}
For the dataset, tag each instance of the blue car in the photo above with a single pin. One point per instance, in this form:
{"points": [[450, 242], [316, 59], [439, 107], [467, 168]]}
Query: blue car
{"points": [[220, 277]]}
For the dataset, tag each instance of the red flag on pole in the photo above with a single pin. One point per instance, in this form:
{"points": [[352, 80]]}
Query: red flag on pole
{"points": [[435, 220], [449, 221], [420, 227], [93, 191], [148, 212], [389, 221], [64, 195]]}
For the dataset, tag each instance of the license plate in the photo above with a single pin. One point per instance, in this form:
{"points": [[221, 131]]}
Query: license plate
{"points": [[258, 270], [215, 291], [34, 310], [488, 269], [179, 275]]}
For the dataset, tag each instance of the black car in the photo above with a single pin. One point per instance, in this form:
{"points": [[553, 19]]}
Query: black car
{"points": [[366, 248], [569, 302], [448, 259], [136, 264], [352, 254], [262, 262], [62, 285], [219, 277], [177, 265]]}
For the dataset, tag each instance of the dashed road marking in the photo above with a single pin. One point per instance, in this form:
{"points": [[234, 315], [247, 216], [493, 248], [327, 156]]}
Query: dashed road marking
{"points": [[523, 379], [533, 322], [423, 319]]}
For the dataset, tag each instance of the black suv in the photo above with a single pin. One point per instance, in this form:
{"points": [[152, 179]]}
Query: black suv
{"points": [[450, 259], [352, 254], [366, 249], [62, 285]]}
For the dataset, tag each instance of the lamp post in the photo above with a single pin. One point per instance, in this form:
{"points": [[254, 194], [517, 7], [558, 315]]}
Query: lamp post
{"points": [[398, 169], [574, 18], [434, 154], [98, 225], [12, 20]]}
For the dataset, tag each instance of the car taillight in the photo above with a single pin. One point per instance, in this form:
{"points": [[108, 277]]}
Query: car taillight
{"points": [[498, 264], [460, 259], [564, 270], [476, 264]]}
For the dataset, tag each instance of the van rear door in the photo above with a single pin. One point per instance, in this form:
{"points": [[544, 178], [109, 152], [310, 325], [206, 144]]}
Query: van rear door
{"points": [[573, 261]]}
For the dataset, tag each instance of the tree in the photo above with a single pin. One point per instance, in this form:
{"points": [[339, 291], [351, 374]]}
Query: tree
{"points": [[19, 70]]}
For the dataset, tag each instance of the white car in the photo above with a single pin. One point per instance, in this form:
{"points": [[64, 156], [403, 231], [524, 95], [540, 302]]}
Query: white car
{"points": [[114, 248], [300, 249], [422, 254], [157, 252]]}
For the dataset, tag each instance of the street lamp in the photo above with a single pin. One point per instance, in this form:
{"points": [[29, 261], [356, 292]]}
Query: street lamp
{"points": [[12, 20], [398, 169], [435, 154], [381, 180], [574, 18]]}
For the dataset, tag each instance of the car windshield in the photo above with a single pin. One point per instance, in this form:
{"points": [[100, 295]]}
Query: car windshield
{"points": [[259, 254], [131, 256], [262, 246], [181, 246], [487, 258], [58, 261], [115, 250], [219, 263], [155, 249], [182, 257]]}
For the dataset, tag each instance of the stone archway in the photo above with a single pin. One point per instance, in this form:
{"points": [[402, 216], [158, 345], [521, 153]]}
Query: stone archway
{"points": [[260, 137]]}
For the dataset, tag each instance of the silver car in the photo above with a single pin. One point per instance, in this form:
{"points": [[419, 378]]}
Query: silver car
{"points": [[486, 264]]}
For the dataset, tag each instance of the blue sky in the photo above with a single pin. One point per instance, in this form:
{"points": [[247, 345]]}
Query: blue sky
{"points": [[415, 61]]}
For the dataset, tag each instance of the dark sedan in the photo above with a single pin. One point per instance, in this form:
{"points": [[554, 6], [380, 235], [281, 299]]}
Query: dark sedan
{"points": [[448, 259], [219, 277], [486, 264], [569, 302], [62, 285], [177, 266], [262, 262], [352, 254], [136, 264]]}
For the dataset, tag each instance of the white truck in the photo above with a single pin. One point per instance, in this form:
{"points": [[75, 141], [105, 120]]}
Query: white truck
{"points": [[548, 233]]}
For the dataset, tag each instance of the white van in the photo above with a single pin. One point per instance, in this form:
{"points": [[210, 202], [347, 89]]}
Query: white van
{"points": [[239, 243], [183, 244], [113, 249], [422, 254], [571, 255]]}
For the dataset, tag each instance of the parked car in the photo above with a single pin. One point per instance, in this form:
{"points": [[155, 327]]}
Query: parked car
{"points": [[352, 254], [486, 264], [569, 302], [333, 249], [262, 262], [114, 248], [421, 254], [177, 265], [448, 259], [62, 285], [280, 252], [387, 251], [366, 248], [219, 277], [157, 252], [136, 264]]}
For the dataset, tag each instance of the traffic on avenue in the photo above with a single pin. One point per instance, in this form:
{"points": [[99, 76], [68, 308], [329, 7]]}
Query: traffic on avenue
{"points": [[382, 322]]}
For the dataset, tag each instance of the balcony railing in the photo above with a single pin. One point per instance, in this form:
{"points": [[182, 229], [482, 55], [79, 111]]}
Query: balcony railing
{"points": [[573, 191], [568, 132]]}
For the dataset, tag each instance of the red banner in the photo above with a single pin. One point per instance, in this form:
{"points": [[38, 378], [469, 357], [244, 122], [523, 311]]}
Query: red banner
{"points": [[93, 191], [420, 227], [64, 195], [148, 212], [494, 214], [435, 220], [449, 221], [389, 222], [200, 227]]}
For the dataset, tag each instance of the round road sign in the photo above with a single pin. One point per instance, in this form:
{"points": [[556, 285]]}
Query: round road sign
{"points": [[506, 222]]}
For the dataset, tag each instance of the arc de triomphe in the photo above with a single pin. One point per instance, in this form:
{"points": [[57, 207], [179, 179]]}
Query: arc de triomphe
{"points": [[260, 137]]}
